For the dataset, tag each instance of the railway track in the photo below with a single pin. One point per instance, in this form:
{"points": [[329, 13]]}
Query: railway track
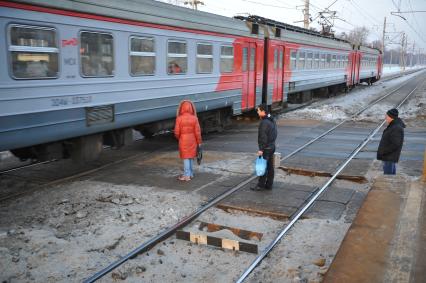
{"points": [[13, 169], [294, 218], [16, 194], [17, 168], [78, 174]]}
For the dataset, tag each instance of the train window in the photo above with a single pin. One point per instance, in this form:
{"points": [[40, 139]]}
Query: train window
{"points": [[301, 61], [204, 58], [333, 61], [316, 61], [96, 54], [280, 62], [309, 61], [34, 52], [142, 56], [245, 59], [339, 61], [177, 57], [275, 59], [293, 59], [226, 59], [328, 61], [322, 63], [252, 58]]}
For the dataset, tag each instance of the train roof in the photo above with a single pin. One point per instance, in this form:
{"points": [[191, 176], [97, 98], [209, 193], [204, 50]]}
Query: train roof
{"points": [[369, 49], [155, 12], [297, 34], [152, 12]]}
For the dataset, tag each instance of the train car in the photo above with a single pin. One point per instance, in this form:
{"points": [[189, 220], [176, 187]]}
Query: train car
{"points": [[301, 63], [82, 74], [370, 65]]}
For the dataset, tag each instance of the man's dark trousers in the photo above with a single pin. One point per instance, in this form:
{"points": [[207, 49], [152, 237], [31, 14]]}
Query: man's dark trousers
{"points": [[266, 181], [389, 168]]}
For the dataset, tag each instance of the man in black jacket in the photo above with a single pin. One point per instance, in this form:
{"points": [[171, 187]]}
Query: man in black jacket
{"points": [[266, 139], [391, 143]]}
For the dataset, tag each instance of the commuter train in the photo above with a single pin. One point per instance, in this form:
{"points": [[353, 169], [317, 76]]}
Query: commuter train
{"points": [[82, 74]]}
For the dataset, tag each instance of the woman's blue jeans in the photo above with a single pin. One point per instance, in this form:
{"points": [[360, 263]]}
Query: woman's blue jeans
{"points": [[187, 167]]}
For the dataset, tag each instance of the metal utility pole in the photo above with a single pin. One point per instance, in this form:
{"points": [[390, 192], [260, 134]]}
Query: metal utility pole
{"points": [[402, 62], [306, 15], [383, 38], [412, 54], [406, 51]]}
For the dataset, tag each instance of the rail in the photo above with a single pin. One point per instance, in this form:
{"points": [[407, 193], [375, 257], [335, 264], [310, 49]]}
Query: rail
{"points": [[267, 250], [169, 231]]}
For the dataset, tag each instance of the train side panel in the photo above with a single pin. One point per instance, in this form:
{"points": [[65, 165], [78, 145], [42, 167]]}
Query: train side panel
{"points": [[72, 104], [369, 60]]}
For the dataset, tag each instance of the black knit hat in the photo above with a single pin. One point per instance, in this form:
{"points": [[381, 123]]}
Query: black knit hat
{"points": [[263, 107], [393, 113]]}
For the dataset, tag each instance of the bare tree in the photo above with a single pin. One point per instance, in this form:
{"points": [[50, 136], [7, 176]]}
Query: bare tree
{"points": [[358, 35], [376, 44], [343, 35]]}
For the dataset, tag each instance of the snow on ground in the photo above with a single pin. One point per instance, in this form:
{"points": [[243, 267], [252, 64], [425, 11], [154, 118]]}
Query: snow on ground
{"points": [[393, 69], [344, 106], [81, 227]]}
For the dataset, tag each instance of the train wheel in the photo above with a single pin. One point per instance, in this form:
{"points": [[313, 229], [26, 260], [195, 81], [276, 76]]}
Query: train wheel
{"points": [[87, 148]]}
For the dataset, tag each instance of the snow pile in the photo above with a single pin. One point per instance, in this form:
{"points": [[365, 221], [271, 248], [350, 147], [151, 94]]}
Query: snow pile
{"points": [[343, 107], [393, 69]]}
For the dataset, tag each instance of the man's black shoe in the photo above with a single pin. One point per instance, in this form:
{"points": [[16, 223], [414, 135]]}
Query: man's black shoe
{"points": [[257, 188]]}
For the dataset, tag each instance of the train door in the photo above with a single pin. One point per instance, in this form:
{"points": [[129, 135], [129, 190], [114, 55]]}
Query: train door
{"points": [[379, 67], [249, 76], [357, 67], [353, 68], [277, 94]]}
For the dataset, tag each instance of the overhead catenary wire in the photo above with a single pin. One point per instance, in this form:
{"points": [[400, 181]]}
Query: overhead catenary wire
{"points": [[270, 5], [415, 21], [414, 14]]}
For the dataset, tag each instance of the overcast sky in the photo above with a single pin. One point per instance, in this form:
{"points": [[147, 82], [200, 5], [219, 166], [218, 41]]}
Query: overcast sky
{"points": [[354, 13]]}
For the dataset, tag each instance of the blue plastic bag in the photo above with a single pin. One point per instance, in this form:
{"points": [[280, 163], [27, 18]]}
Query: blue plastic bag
{"points": [[260, 166]]}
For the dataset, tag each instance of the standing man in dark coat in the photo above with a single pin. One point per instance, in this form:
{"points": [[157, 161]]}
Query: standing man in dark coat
{"points": [[266, 139], [391, 143]]}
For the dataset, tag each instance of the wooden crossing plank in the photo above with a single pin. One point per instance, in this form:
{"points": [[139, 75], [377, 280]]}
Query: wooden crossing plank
{"points": [[310, 173], [243, 234], [217, 242]]}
